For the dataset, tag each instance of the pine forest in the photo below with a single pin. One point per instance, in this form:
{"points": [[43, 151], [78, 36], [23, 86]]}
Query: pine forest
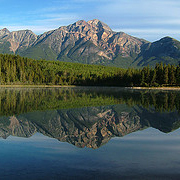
{"points": [[17, 70]]}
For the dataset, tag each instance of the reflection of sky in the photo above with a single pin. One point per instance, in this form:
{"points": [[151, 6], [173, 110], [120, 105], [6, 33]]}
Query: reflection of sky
{"points": [[150, 19], [148, 152]]}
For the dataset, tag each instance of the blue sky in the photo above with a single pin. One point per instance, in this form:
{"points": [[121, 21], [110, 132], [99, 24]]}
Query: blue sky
{"points": [[148, 19]]}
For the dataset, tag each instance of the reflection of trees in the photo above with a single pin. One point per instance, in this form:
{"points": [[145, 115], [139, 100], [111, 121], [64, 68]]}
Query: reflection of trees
{"points": [[18, 101], [161, 101]]}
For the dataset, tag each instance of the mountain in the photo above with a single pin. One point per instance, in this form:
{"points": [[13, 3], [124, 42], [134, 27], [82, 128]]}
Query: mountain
{"points": [[91, 42]]}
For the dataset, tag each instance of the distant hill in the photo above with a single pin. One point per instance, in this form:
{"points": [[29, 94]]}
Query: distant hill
{"points": [[91, 42]]}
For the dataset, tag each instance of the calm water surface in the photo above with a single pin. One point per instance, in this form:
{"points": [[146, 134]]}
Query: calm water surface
{"points": [[89, 133]]}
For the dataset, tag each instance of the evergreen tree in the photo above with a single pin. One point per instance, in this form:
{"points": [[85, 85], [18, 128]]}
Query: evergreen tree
{"points": [[172, 79], [166, 73]]}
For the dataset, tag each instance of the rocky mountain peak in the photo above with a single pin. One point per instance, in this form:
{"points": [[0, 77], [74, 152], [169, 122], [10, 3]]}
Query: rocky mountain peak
{"points": [[79, 26], [94, 26], [21, 39], [23, 32], [99, 25], [4, 32], [80, 22]]}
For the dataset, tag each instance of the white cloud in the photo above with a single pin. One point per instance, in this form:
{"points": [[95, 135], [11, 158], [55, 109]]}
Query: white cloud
{"points": [[151, 34], [149, 31]]}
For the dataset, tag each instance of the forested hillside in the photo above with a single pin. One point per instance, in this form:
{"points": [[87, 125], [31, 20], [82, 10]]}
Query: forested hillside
{"points": [[19, 70]]}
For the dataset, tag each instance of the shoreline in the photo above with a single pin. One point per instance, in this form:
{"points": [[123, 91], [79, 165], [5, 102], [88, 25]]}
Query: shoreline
{"points": [[34, 86], [156, 88], [73, 86]]}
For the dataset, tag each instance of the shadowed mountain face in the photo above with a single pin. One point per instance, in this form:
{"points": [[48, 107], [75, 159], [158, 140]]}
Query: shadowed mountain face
{"points": [[88, 126], [91, 42], [166, 50]]}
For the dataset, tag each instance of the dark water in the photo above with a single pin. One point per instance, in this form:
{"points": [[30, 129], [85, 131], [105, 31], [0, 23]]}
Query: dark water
{"points": [[89, 133]]}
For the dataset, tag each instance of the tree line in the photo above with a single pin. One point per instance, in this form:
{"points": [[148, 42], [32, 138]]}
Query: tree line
{"points": [[15, 69]]}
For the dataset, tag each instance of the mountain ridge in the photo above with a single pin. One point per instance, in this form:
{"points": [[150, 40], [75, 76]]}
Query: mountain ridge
{"points": [[91, 42]]}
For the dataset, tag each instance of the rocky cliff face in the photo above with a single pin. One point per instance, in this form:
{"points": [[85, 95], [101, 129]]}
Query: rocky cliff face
{"points": [[17, 40], [21, 40]]}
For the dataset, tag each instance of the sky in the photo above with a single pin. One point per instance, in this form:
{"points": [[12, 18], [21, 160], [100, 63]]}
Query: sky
{"points": [[147, 19]]}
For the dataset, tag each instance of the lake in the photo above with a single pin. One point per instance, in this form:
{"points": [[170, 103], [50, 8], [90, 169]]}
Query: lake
{"points": [[89, 133]]}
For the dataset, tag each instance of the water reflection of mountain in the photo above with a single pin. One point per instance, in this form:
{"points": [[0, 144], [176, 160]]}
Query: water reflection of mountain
{"points": [[88, 126]]}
